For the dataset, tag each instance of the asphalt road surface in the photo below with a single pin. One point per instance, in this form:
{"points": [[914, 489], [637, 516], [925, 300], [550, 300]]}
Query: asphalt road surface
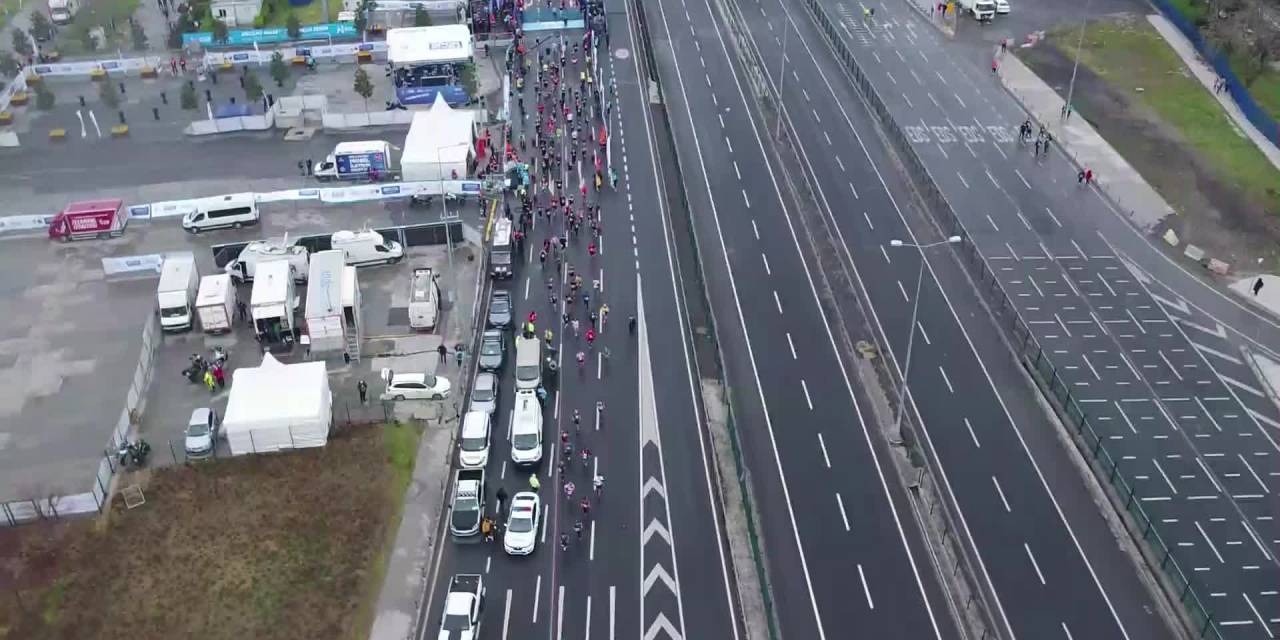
{"points": [[655, 535], [1136, 339], [843, 551]]}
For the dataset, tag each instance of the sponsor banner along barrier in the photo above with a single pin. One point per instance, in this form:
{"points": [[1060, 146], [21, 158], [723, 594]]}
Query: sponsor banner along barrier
{"points": [[109, 65], [241, 37], [319, 52]]}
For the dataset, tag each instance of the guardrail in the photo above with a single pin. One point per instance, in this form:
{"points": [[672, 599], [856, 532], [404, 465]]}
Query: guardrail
{"points": [[1157, 554]]}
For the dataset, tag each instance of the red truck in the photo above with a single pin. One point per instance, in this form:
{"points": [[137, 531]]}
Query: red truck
{"points": [[89, 219]]}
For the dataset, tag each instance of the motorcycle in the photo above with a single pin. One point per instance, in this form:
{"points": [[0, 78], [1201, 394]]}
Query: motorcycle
{"points": [[195, 372], [133, 455], [220, 356]]}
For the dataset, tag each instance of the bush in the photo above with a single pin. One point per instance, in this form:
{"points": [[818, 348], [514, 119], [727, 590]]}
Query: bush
{"points": [[8, 65], [420, 16], [21, 43], [138, 36], [252, 87], [279, 70], [293, 26], [220, 31], [88, 40], [40, 25]]}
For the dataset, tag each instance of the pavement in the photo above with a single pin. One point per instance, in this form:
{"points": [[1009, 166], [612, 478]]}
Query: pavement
{"points": [[1145, 346]]}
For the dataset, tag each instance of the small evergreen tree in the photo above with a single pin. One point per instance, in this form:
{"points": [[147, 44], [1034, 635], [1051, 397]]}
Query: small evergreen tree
{"points": [[252, 87], [40, 25], [363, 86], [188, 97], [220, 31], [293, 26], [44, 97], [279, 70], [8, 65], [107, 92], [88, 41], [138, 35], [21, 43], [420, 16]]}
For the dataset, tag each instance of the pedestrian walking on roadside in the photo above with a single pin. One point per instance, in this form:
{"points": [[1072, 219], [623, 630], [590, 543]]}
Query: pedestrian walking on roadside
{"points": [[362, 388], [444, 353], [1257, 286], [577, 529], [209, 381], [1037, 147], [574, 322]]}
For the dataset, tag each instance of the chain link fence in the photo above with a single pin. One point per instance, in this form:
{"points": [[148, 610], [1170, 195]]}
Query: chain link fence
{"points": [[1140, 525]]}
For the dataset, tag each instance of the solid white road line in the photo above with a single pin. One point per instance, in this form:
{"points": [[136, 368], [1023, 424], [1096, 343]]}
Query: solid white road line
{"points": [[587, 633], [591, 546], [613, 611], [506, 615], [865, 589], [1034, 565], [560, 614]]}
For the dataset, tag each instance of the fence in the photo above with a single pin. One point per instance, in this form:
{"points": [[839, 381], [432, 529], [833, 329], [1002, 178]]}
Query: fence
{"points": [[1239, 92], [1104, 466]]}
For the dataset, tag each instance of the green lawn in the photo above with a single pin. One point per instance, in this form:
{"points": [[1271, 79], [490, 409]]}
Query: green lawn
{"points": [[98, 13], [1132, 54], [310, 14], [8, 9]]}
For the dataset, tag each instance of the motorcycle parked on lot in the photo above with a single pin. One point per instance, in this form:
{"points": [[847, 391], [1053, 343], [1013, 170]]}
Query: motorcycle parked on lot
{"points": [[195, 371], [133, 454]]}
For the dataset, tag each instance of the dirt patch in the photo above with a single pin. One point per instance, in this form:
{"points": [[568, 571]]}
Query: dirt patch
{"points": [[281, 546], [1213, 212]]}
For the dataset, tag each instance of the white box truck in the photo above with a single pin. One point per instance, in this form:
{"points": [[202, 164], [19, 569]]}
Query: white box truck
{"points": [[982, 10], [356, 160], [273, 301], [216, 303], [244, 267], [366, 247], [176, 295], [62, 11], [424, 300]]}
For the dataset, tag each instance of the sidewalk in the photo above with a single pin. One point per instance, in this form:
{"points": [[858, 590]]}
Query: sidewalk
{"points": [[1123, 185], [1268, 298], [1207, 76]]}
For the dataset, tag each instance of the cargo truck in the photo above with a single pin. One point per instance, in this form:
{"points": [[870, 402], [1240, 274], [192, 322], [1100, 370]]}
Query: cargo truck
{"points": [[462, 607], [89, 219], [356, 160], [468, 503], [500, 249], [176, 294], [216, 303]]}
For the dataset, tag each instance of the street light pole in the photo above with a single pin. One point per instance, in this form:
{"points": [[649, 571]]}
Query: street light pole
{"points": [[911, 329], [782, 77], [444, 211], [1084, 20]]}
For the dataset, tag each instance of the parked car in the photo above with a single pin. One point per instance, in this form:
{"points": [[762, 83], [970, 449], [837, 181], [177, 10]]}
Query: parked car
{"points": [[521, 535], [414, 386], [1002, 6], [500, 308], [484, 393], [493, 350], [473, 446], [201, 434]]}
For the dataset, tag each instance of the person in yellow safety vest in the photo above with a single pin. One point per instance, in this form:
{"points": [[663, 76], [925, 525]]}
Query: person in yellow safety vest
{"points": [[534, 483]]}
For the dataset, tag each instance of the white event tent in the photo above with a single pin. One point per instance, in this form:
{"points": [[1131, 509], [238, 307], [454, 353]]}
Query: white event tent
{"points": [[276, 407], [441, 140]]}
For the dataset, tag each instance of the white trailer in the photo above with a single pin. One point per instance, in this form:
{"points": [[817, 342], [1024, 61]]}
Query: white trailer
{"points": [[273, 301], [325, 318], [216, 303], [176, 293]]}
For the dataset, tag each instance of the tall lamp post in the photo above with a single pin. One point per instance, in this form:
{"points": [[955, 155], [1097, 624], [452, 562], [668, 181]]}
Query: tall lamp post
{"points": [[915, 308], [782, 76], [444, 209], [1084, 20]]}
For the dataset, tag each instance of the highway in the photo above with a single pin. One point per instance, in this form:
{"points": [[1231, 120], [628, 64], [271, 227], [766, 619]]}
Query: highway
{"points": [[843, 551], [1140, 343], [656, 533]]}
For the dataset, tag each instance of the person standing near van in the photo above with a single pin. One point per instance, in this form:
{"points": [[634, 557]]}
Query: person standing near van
{"points": [[362, 388]]}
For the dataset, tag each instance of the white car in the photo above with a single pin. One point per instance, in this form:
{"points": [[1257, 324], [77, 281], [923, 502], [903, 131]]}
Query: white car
{"points": [[414, 386], [484, 393], [1002, 6], [473, 446], [526, 430], [521, 534]]}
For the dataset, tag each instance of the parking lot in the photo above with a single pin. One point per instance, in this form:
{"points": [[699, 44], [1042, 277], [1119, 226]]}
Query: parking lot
{"points": [[72, 338]]}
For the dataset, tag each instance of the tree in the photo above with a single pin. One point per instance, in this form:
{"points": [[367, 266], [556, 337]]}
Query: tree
{"points": [[22, 43], [220, 31], [174, 40], [420, 16], [293, 26], [88, 40], [363, 12], [363, 86], [188, 97], [138, 35], [279, 70], [252, 87], [44, 97], [41, 28], [8, 65], [107, 92]]}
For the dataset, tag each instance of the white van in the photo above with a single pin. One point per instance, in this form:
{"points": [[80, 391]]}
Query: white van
{"points": [[526, 429], [424, 300], [234, 211], [366, 247], [473, 446], [528, 364], [245, 265]]}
